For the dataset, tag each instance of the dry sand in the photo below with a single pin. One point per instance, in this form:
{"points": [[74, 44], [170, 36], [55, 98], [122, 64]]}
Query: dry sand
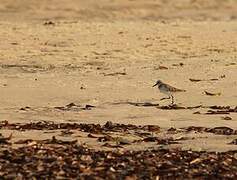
{"points": [[109, 54]]}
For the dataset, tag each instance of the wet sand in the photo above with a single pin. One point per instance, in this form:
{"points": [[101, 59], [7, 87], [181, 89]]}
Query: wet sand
{"points": [[93, 62]]}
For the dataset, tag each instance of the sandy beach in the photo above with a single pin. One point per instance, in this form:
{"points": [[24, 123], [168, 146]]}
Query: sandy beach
{"points": [[94, 62]]}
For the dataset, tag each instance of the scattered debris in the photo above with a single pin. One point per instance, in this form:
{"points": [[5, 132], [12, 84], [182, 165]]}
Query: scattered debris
{"points": [[172, 106], [221, 110], [161, 68], [213, 79], [194, 80], [194, 107], [219, 107], [234, 142], [14, 43], [101, 53], [226, 118], [115, 74], [25, 108], [198, 80], [90, 128], [91, 136], [88, 107], [215, 130], [216, 112], [231, 64], [179, 64], [212, 94], [222, 131], [74, 107], [49, 23], [62, 159], [172, 130], [5, 140], [71, 105], [66, 132], [145, 104], [106, 138], [152, 128], [54, 159], [147, 45], [196, 129], [224, 111]]}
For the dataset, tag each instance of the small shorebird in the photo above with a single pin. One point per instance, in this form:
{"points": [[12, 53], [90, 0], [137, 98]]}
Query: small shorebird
{"points": [[167, 89]]}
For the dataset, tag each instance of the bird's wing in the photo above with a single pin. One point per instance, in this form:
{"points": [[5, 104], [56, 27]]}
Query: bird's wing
{"points": [[174, 89]]}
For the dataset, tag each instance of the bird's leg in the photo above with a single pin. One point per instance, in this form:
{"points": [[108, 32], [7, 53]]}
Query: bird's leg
{"points": [[172, 99], [152, 134]]}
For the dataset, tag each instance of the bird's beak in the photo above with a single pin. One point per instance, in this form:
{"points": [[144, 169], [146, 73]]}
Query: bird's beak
{"points": [[154, 85]]}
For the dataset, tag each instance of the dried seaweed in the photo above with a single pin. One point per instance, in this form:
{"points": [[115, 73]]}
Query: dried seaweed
{"points": [[109, 126], [73, 161], [212, 94], [74, 107], [5, 140], [60, 159], [216, 130], [145, 104], [221, 110]]}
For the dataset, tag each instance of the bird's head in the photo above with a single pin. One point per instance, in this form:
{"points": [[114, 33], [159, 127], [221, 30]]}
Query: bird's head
{"points": [[157, 83]]}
